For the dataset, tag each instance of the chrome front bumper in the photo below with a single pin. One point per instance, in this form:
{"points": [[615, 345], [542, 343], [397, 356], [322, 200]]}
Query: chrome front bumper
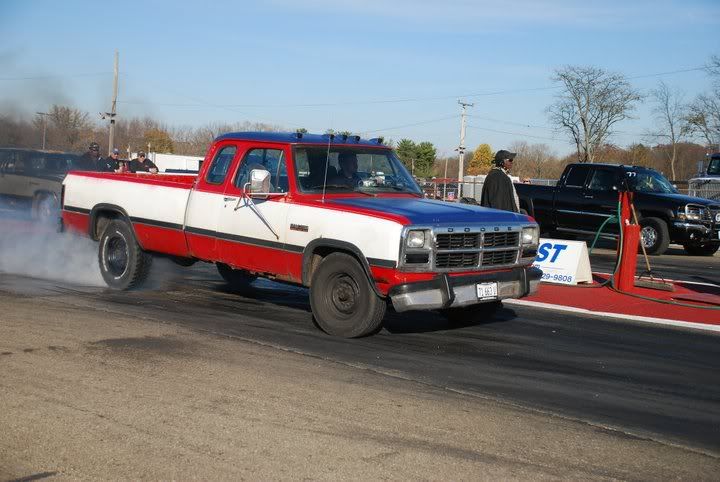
{"points": [[450, 292]]}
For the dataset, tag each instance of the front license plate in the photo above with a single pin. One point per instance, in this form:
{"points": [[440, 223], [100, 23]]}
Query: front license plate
{"points": [[486, 291]]}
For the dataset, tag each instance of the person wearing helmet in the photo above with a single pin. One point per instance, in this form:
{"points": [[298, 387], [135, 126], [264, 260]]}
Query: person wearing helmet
{"points": [[498, 191]]}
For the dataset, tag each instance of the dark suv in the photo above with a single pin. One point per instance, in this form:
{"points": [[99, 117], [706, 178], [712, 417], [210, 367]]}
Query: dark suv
{"points": [[31, 180]]}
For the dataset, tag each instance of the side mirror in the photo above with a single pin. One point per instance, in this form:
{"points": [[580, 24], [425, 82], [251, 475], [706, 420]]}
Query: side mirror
{"points": [[259, 182]]}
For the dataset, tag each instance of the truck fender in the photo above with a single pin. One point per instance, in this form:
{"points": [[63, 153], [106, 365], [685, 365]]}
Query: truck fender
{"points": [[103, 210], [327, 246]]}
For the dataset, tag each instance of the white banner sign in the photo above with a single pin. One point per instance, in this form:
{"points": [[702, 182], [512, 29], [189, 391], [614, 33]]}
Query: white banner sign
{"points": [[562, 261]]}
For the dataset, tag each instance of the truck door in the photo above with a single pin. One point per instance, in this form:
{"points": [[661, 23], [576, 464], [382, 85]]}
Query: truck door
{"points": [[207, 202], [251, 231], [601, 197], [569, 198]]}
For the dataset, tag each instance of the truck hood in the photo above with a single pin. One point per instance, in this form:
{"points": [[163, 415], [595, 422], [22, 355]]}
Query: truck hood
{"points": [[679, 198], [431, 212]]}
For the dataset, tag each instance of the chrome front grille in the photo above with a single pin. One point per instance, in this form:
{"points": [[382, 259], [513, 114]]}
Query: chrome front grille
{"points": [[457, 240], [456, 260], [497, 258], [483, 248], [500, 240]]}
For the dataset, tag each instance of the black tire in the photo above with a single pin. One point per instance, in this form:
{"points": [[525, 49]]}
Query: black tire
{"points": [[123, 263], [342, 300], [472, 314], [707, 249], [654, 235], [237, 279]]}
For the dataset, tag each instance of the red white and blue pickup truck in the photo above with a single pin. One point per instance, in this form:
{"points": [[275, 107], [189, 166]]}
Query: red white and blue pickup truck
{"points": [[337, 214]]}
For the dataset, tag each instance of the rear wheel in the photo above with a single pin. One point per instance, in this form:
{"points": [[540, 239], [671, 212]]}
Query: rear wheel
{"points": [[123, 263], [342, 300], [45, 208], [237, 279], [473, 313], [701, 249], [654, 235]]}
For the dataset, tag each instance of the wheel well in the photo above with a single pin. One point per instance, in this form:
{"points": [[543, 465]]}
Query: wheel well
{"points": [[653, 214], [100, 219], [314, 254], [320, 253]]}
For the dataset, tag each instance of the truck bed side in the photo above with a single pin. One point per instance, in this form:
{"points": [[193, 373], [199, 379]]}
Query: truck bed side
{"points": [[154, 205]]}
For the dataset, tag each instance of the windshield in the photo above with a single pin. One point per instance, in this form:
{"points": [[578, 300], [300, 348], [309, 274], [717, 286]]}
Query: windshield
{"points": [[714, 167], [650, 181], [351, 168]]}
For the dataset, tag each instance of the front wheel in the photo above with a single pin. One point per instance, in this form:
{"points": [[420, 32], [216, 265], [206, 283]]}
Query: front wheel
{"points": [[654, 235], [342, 300], [123, 263], [701, 249]]}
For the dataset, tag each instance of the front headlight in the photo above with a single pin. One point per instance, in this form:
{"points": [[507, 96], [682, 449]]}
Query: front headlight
{"points": [[531, 236], [691, 213], [415, 239]]}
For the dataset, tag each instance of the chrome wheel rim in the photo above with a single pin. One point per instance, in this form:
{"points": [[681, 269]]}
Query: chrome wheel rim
{"points": [[649, 236]]}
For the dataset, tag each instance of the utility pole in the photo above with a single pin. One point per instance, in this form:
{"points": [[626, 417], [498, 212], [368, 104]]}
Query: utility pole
{"points": [[44, 116], [113, 113], [461, 148]]}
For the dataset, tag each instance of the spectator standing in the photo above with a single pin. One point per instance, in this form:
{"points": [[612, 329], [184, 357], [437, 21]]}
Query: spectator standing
{"points": [[92, 161], [498, 191], [113, 160], [142, 164]]}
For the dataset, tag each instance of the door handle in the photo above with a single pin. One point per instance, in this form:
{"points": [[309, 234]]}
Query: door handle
{"points": [[588, 196], [229, 199]]}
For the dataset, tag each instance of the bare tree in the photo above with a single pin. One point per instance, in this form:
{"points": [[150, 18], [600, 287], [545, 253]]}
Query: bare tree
{"points": [[669, 114], [592, 101], [69, 126], [703, 116], [534, 161]]}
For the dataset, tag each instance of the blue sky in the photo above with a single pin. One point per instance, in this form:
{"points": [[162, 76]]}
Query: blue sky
{"points": [[375, 67]]}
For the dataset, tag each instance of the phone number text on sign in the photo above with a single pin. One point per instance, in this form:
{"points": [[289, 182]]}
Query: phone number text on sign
{"points": [[557, 278]]}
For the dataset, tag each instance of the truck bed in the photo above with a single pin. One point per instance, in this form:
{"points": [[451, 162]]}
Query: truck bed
{"points": [[155, 204]]}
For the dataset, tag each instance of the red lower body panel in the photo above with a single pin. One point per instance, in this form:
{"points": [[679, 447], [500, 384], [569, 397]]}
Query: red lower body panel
{"points": [[163, 240]]}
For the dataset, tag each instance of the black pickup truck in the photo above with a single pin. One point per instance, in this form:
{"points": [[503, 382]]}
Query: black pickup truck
{"points": [[587, 194]]}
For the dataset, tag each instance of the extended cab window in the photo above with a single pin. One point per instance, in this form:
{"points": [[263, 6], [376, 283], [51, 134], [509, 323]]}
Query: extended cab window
{"points": [[576, 177], [220, 165], [272, 160], [602, 180]]}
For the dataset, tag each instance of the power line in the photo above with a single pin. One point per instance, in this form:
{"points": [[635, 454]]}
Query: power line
{"points": [[430, 121], [516, 133], [43, 77]]}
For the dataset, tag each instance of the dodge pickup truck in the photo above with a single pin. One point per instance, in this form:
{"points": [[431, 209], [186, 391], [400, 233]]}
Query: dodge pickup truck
{"points": [[587, 194], [277, 205]]}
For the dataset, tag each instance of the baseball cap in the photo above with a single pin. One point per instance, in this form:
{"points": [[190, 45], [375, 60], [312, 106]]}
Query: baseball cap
{"points": [[141, 153], [116, 151], [501, 155]]}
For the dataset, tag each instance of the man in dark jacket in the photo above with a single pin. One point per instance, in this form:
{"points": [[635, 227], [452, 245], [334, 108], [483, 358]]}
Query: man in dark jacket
{"points": [[91, 160], [143, 164], [498, 191]]}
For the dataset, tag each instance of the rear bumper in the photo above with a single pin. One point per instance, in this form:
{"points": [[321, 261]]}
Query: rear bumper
{"points": [[454, 291]]}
